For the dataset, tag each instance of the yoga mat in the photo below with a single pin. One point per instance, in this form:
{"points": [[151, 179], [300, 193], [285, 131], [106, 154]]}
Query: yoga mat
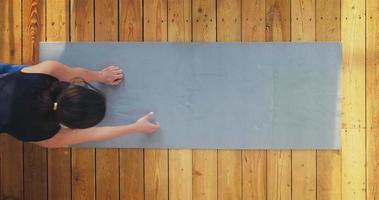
{"points": [[218, 95]]}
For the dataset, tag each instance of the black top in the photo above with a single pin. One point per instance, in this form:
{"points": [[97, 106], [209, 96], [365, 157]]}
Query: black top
{"points": [[18, 116]]}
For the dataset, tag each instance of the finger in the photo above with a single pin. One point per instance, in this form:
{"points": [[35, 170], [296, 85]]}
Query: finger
{"points": [[155, 125], [112, 67], [117, 82], [148, 116], [116, 77], [119, 71], [115, 67]]}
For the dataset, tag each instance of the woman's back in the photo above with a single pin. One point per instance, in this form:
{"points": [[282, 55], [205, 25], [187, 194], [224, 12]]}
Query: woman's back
{"points": [[19, 114]]}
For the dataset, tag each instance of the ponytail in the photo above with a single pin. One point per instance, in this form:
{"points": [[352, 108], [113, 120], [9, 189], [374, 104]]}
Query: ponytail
{"points": [[46, 100], [75, 105]]}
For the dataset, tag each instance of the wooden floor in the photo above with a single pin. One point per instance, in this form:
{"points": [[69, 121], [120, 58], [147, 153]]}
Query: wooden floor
{"points": [[30, 172]]}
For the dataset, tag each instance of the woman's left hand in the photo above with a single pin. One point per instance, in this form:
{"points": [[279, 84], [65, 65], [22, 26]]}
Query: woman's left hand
{"points": [[111, 75]]}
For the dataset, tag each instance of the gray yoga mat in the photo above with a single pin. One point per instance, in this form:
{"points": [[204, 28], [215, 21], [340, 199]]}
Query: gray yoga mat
{"points": [[218, 95]]}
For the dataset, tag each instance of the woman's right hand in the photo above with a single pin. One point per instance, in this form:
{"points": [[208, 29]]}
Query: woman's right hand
{"points": [[143, 125]]}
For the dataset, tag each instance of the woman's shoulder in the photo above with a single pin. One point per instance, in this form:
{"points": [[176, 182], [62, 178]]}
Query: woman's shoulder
{"points": [[43, 68], [39, 70]]}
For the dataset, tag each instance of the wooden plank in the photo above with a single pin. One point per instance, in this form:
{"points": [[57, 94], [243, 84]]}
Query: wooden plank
{"points": [[156, 174], [353, 53], [228, 20], [83, 173], [278, 162], [59, 173], [303, 20], [328, 20], [155, 20], [59, 160], [204, 164], [35, 157], [229, 161], [11, 173], [57, 20], [253, 20], [10, 30], [179, 21], [303, 162], [204, 20], [372, 75], [82, 20], [156, 160], [328, 175], [372, 34], [204, 175], [83, 159], [254, 174], [353, 103], [353, 164], [253, 162], [180, 160], [304, 174], [279, 175], [107, 174], [33, 29], [131, 174], [372, 163], [180, 174], [131, 160], [35, 172], [106, 20], [107, 160], [130, 24], [328, 28], [278, 23]]}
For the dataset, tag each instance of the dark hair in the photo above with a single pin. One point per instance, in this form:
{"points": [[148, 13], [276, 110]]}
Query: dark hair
{"points": [[79, 104]]}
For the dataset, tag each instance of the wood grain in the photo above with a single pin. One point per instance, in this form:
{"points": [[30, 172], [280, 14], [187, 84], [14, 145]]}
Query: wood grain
{"points": [[372, 72], [279, 175], [131, 160], [353, 164], [372, 92], [229, 161], [354, 101], [278, 23], [107, 160], [82, 20], [156, 160], [33, 29], [83, 173], [155, 20], [303, 162], [83, 159], [180, 160], [59, 160], [47, 174], [131, 174], [204, 164], [328, 28], [253, 161], [130, 16], [35, 157], [156, 174], [279, 166], [353, 54]]}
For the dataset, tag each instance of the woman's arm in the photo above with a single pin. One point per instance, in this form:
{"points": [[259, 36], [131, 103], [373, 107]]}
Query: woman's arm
{"points": [[68, 136], [111, 75]]}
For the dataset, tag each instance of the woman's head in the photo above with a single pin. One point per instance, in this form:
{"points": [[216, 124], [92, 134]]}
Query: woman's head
{"points": [[77, 104]]}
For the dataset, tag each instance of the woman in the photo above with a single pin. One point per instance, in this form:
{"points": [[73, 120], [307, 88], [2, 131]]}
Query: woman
{"points": [[37, 100]]}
